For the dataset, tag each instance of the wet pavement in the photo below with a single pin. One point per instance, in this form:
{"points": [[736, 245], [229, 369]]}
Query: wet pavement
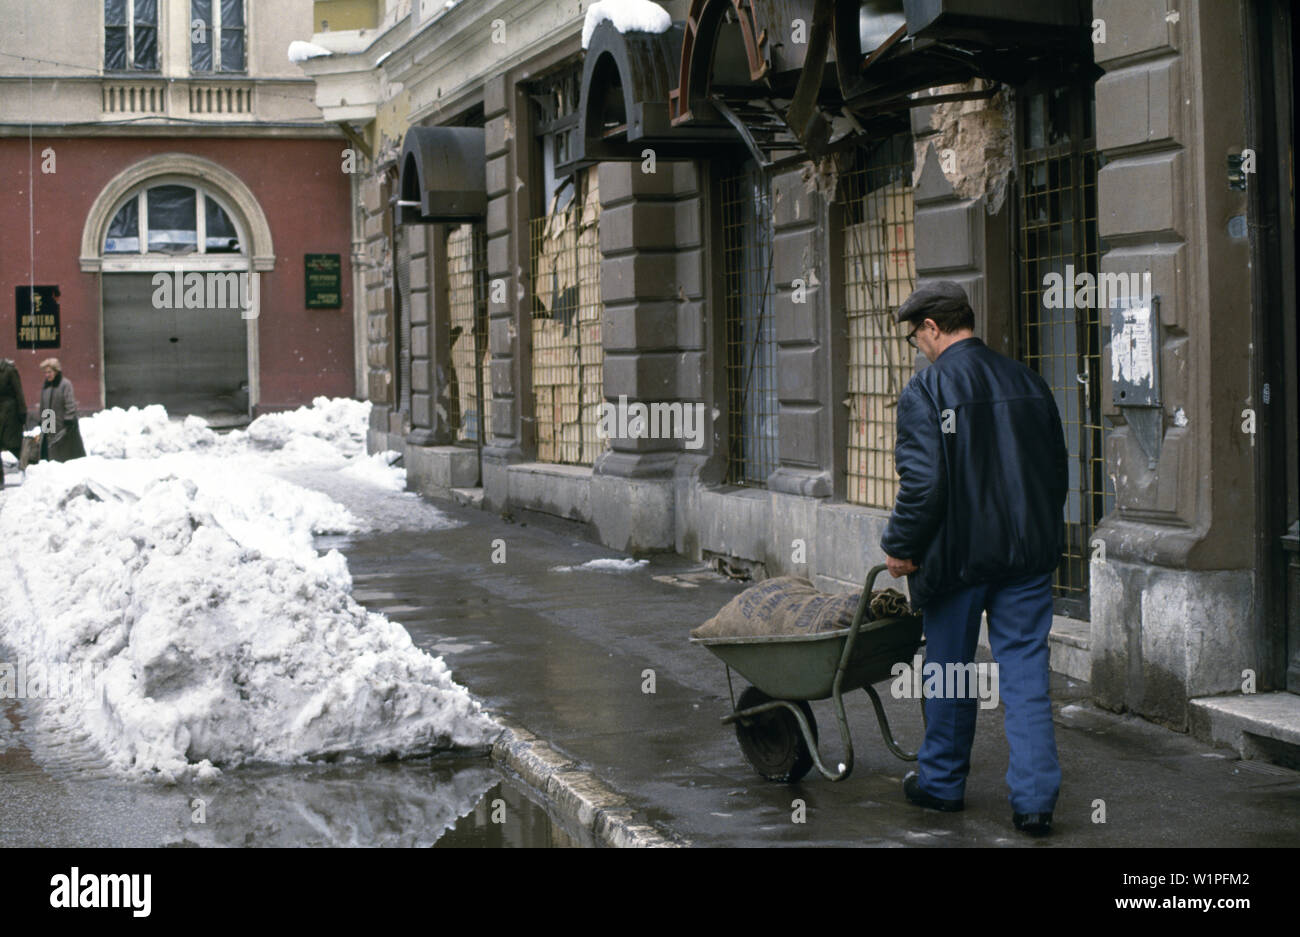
{"points": [[566, 654], [58, 798]]}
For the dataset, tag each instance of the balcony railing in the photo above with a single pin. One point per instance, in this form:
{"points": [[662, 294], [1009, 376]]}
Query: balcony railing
{"points": [[177, 98]]}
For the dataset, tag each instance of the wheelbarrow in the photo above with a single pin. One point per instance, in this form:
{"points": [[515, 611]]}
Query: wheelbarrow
{"points": [[774, 723]]}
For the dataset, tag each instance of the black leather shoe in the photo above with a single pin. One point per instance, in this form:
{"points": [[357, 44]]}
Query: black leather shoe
{"points": [[912, 791], [1035, 824]]}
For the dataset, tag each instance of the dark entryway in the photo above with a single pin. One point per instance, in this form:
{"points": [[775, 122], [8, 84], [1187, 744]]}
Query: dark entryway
{"points": [[1270, 100], [190, 360]]}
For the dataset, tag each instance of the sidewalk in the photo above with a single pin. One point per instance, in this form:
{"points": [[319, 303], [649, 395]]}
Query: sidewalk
{"points": [[565, 655]]}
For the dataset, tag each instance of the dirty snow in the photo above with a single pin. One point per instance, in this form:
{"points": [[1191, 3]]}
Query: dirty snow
{"points": [[626, 16], [610, 565], [180, 566]]}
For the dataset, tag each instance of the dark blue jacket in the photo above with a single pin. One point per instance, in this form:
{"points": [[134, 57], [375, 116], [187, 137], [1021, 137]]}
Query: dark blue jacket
{"points": [[982, 471]]}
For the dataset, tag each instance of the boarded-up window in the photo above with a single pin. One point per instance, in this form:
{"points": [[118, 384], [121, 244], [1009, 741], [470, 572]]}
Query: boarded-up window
{"points": [[470, 393], [568, 355], [879, 274]]}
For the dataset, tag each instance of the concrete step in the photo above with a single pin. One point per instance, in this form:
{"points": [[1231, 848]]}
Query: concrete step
{"points": [[1262, 726], [1068, 644]]}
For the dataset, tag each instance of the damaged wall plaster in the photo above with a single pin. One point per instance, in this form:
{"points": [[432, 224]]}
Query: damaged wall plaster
{"points": [[981, 135]]}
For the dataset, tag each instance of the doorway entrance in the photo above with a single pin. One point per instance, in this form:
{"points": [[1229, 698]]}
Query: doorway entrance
{"points": [[176, 290]]}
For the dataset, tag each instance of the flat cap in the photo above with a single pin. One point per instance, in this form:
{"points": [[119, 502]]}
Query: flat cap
{"points": [[937, 297]]}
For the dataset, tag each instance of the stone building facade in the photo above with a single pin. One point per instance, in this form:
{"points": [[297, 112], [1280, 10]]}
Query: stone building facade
{"points": [[676, 218]]}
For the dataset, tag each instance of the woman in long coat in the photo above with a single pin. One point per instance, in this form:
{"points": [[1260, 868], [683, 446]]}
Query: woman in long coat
{"points": [[13, 408], [57, 398]]}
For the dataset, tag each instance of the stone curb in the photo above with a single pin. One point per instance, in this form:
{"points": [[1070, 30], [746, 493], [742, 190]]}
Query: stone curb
{"points": [[577, 794]]}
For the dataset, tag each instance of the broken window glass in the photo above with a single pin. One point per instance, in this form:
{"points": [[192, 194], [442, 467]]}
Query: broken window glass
{"points": [[124, 230], [201, 35], [146, 34], [221, 237], [114, 34], [172, 220]]}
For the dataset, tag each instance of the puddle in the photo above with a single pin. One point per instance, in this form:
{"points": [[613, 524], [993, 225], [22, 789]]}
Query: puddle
{"points": [[448, 801]]}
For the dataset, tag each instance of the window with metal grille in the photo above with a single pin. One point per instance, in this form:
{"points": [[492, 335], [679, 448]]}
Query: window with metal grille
{"points": [[568, 354], [879, 273], [749, 331], [470, 394], [130, 35], [1057, 218]]}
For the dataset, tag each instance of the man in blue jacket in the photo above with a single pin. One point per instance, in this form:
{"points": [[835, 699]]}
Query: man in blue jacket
{"points": [[979, 525]]}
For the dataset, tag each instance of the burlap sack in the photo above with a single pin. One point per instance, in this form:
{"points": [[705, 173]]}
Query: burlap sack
{"points": [[791, 605]]}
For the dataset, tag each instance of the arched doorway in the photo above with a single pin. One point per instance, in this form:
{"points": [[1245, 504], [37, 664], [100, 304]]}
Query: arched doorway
{"points": [[179, 244]]}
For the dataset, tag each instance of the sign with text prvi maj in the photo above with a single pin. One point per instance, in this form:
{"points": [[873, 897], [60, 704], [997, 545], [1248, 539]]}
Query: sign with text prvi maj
{"points": [[37, 314]]}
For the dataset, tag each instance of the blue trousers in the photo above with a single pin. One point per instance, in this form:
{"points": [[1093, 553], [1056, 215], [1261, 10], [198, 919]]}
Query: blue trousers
{"points": [[1020, 617]]}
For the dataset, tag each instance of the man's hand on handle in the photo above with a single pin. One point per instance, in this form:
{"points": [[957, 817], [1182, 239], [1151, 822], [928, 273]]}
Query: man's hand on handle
{"points": [[899, 567]]}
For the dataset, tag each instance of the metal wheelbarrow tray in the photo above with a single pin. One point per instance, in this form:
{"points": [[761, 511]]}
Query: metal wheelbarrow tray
{"points": [[775, 724]]}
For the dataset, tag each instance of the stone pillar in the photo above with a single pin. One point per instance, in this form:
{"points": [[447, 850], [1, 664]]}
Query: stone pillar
{"points": [[419, 298], [378, 281], [962, 224], [513, 436], [801, 309], [1172, 599], [651, 281]]}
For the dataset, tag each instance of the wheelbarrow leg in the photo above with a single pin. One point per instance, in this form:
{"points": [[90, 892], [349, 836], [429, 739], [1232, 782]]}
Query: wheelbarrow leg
{"points": [[846, 768], [885, 732]]}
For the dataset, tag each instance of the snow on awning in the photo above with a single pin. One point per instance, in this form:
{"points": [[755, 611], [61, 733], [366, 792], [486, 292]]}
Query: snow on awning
{"points": [[626, 80], [443, 175], [625, 16]]}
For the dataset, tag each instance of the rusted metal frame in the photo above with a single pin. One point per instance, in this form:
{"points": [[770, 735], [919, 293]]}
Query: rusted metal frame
{"points": [[884, 47], [802, 117]]}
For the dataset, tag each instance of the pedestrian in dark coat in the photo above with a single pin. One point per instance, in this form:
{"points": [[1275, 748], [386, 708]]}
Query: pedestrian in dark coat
{"points": [[13, 408], [979, 525], [59, 403]]}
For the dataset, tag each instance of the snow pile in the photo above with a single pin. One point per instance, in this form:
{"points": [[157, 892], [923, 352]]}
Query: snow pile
{"points": [[300, 51], [340, 422], [611, 565], [142, 434], [378, 469], [330, 430], [221, 638], [626, 16]]}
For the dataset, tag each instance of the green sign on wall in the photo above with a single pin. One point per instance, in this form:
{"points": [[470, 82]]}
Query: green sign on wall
{"points": [[324, 281]]}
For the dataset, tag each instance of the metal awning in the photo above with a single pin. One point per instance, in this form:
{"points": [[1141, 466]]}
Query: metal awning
{"points": [[443, 175], [940, 42], [759, 65], [626, 81], [795, 77]]}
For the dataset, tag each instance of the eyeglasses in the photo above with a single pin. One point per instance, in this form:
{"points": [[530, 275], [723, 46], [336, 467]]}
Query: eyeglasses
{"points": [[911, 337]]}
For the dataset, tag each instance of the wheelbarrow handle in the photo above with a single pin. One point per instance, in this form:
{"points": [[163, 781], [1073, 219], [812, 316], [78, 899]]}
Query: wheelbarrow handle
{"points": [[860, 616]]}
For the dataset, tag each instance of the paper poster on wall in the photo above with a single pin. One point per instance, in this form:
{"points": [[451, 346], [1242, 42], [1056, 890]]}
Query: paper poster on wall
{"points": [[37, 314]]}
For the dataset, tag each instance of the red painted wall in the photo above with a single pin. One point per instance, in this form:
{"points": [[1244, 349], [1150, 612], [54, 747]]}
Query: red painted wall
{"points": [[303, 193]]}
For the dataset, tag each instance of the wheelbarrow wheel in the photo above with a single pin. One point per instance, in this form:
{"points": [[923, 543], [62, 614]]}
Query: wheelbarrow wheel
{"points": [[772, 742]]}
